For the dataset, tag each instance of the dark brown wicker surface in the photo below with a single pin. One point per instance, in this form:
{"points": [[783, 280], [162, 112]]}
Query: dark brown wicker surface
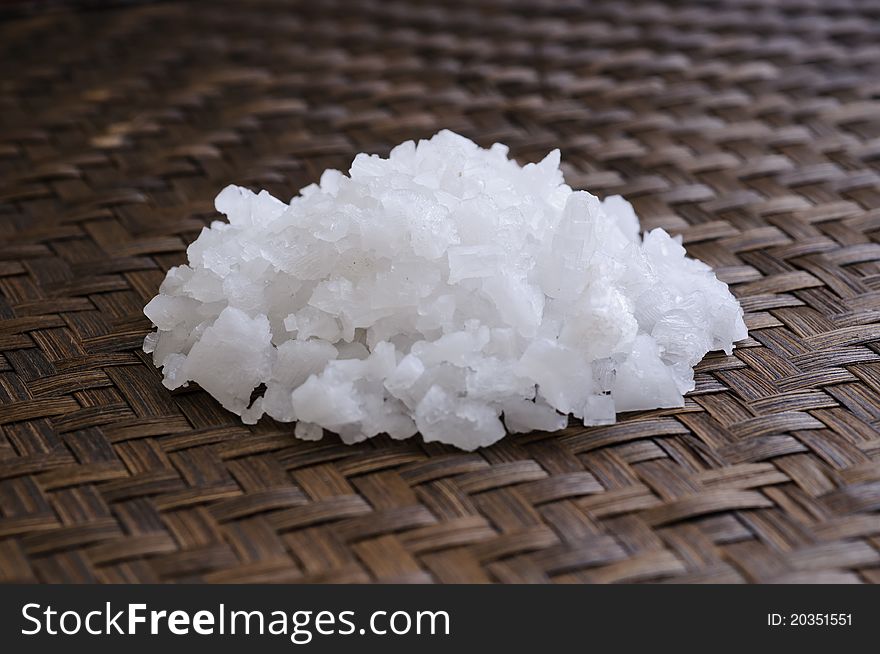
{"points": [[752, 128]]}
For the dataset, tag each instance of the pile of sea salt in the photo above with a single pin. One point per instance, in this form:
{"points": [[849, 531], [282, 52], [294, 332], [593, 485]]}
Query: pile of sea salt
{"points": [[444, 290]]}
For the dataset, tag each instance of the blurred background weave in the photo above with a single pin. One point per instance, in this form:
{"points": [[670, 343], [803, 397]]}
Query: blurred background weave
{"points": [[750, 128]]}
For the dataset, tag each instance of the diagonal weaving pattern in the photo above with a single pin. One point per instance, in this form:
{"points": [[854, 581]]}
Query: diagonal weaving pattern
{"points": [[750, 128]]}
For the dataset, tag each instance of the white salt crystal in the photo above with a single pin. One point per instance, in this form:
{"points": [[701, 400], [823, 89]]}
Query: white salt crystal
{"points": [[440, 290], [232, 357]]}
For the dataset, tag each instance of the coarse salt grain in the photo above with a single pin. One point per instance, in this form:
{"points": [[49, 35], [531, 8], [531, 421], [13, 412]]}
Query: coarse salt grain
{"points": [[444, 290]]}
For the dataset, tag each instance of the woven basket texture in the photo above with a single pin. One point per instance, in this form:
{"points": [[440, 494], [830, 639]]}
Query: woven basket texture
{"points": [[750, 128]]}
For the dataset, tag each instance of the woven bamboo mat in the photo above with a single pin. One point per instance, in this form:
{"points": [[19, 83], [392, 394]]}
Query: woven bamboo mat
{"points": [[751, 128]]}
